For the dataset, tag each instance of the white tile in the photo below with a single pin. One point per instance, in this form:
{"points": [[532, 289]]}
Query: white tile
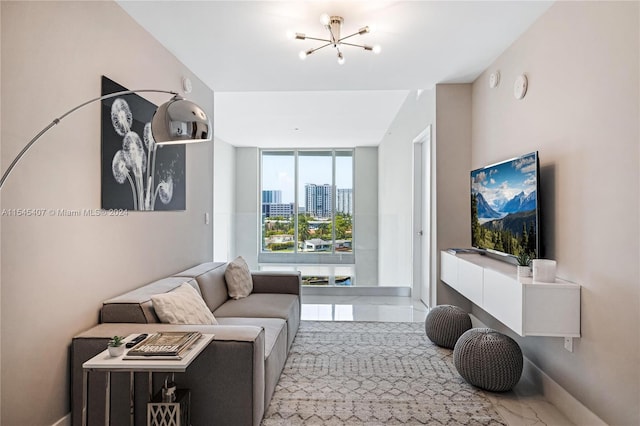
{"points": [[317, 312], [362, 308]]}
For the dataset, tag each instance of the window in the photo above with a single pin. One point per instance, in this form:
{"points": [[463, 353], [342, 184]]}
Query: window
{"points": [[307, 206]]}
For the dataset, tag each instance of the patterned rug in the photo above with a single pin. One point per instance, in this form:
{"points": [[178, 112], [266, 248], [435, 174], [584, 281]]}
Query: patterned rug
{"points": [[373, 373]]}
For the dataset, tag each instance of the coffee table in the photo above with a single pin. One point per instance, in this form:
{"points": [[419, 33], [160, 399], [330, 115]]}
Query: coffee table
{"points": [[106, 363]]}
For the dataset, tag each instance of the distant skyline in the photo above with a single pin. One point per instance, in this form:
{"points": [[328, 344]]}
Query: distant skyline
{"points": [[278, 173]]}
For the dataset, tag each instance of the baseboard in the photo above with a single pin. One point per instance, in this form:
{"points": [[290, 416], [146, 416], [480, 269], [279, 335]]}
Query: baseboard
{"points": [[65, 421], [355, 291], [573, 409]]}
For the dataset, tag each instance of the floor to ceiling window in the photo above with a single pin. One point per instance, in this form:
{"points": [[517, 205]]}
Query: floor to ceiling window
{"points": [[306, 199]]}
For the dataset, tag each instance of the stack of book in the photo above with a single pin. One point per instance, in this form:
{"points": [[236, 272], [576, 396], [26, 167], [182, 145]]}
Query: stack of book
{"points": [[164, 345]]}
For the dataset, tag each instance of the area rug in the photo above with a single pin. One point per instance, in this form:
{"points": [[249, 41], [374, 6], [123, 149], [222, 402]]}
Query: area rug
{"points": [[373, 373]]}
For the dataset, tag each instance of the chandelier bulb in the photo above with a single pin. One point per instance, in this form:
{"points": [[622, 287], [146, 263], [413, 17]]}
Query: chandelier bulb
{"points": [[324, 19], [376, 49], [340, 58], [291, 35], [302, 55]]}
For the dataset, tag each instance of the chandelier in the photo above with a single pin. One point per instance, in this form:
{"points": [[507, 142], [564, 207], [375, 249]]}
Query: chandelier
{"points": [[333, 24]]}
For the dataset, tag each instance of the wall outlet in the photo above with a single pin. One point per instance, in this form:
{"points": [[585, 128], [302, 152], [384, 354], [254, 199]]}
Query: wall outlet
{"points": [[568, 343]]}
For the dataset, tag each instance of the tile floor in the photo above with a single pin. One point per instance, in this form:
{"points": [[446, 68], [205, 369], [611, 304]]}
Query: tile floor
{"points": [[524, 405], [363, 308]]}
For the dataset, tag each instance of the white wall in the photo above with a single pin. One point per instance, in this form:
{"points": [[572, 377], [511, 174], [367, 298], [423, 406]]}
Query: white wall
{"points": [[56, 270], [365, 220], [395, 184], [581, 113], [247, 210], [224, 199]]}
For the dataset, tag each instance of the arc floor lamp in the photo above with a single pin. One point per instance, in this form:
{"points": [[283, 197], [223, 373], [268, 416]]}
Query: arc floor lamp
{"points": [[177, 121]]}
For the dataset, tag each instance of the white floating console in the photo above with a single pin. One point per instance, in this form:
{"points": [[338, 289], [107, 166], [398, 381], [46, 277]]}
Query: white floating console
{"points": [[529, 309]]}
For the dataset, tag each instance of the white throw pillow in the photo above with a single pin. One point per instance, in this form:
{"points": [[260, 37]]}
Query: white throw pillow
{"points": [[182, 306], [238, 278]]}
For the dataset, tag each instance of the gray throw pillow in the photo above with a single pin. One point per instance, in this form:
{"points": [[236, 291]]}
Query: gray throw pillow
{"points": [[238, 278]]}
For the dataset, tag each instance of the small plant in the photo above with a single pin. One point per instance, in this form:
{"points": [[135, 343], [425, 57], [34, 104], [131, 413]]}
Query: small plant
{"points": [[116, 341], [523, 258]]}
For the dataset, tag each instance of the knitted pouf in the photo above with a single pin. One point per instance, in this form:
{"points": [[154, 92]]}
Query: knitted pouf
{"points": [[488, 359], [445, 323]]}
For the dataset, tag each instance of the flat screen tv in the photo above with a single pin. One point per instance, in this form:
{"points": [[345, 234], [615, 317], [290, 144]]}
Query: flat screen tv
{"points": [[505, 208]]}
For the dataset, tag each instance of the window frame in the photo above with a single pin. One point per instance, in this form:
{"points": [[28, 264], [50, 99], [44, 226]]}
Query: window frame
{"points": [[297, 257]]}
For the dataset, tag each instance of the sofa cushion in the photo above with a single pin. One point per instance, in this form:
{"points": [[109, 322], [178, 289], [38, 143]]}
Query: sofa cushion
{"points": [[265, 305], [238, 278], [274, 329], [182, 306], [275, 348], [210, 279], [135, 306], [227, 380], [260, 305]]}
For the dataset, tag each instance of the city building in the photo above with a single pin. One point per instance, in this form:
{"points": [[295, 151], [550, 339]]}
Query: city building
{"points": [[270, 196], [344, 201], [318, 199], [272, 205], [277, 210]]}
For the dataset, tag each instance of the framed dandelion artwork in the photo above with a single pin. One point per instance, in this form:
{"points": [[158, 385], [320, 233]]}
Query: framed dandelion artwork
{"points": [[136, 173]]}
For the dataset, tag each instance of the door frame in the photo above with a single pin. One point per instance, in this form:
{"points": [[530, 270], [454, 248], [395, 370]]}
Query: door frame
{"points": [[421, 217]]}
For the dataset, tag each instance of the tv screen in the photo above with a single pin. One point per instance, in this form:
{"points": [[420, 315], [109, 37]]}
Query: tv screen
{"points": [[505, 213]]}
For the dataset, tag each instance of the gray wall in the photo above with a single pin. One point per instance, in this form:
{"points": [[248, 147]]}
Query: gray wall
{"points": [[453, 163], [581, 113], [395, 184], [57, 270]]}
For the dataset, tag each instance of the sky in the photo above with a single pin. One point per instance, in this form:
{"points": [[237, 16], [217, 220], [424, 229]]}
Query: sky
{"points": [[503, 181], [278, 173]]}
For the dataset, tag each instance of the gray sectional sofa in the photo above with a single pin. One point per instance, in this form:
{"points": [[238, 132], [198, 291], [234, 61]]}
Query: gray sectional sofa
{"points": [[232, 380]]}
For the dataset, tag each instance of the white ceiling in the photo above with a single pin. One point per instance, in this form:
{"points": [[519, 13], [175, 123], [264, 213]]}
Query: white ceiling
{"points": [[266, 96]]}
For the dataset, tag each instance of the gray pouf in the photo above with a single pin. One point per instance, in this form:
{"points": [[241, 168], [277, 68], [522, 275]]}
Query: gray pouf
{"points": [[445, 324], [488, 359]]}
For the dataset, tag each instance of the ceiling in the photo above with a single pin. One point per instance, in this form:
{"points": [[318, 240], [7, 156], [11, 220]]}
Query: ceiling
{"points": [[266, 96]]}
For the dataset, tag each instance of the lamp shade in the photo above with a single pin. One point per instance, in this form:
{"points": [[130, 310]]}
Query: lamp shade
{"points": [[175, 122], [180, 121]]}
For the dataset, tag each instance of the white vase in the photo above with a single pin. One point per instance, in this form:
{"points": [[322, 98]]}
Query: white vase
{"points": [[116, 350], [523, 272], [544, 270]]}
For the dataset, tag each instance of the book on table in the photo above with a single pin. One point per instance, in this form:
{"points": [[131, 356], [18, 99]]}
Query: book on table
{"points": [[164, 345]]}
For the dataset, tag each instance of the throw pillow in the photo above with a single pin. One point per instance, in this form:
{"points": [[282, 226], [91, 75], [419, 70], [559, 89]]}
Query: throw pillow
{"points": [[182, 306], [238, 278]]}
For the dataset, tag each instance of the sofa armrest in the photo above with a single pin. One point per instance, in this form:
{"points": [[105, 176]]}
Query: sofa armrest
{"points": [[226, 380], [288, 282]]}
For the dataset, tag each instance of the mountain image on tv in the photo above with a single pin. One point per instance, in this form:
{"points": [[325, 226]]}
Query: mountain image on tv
{"points": [[504, 206]]}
